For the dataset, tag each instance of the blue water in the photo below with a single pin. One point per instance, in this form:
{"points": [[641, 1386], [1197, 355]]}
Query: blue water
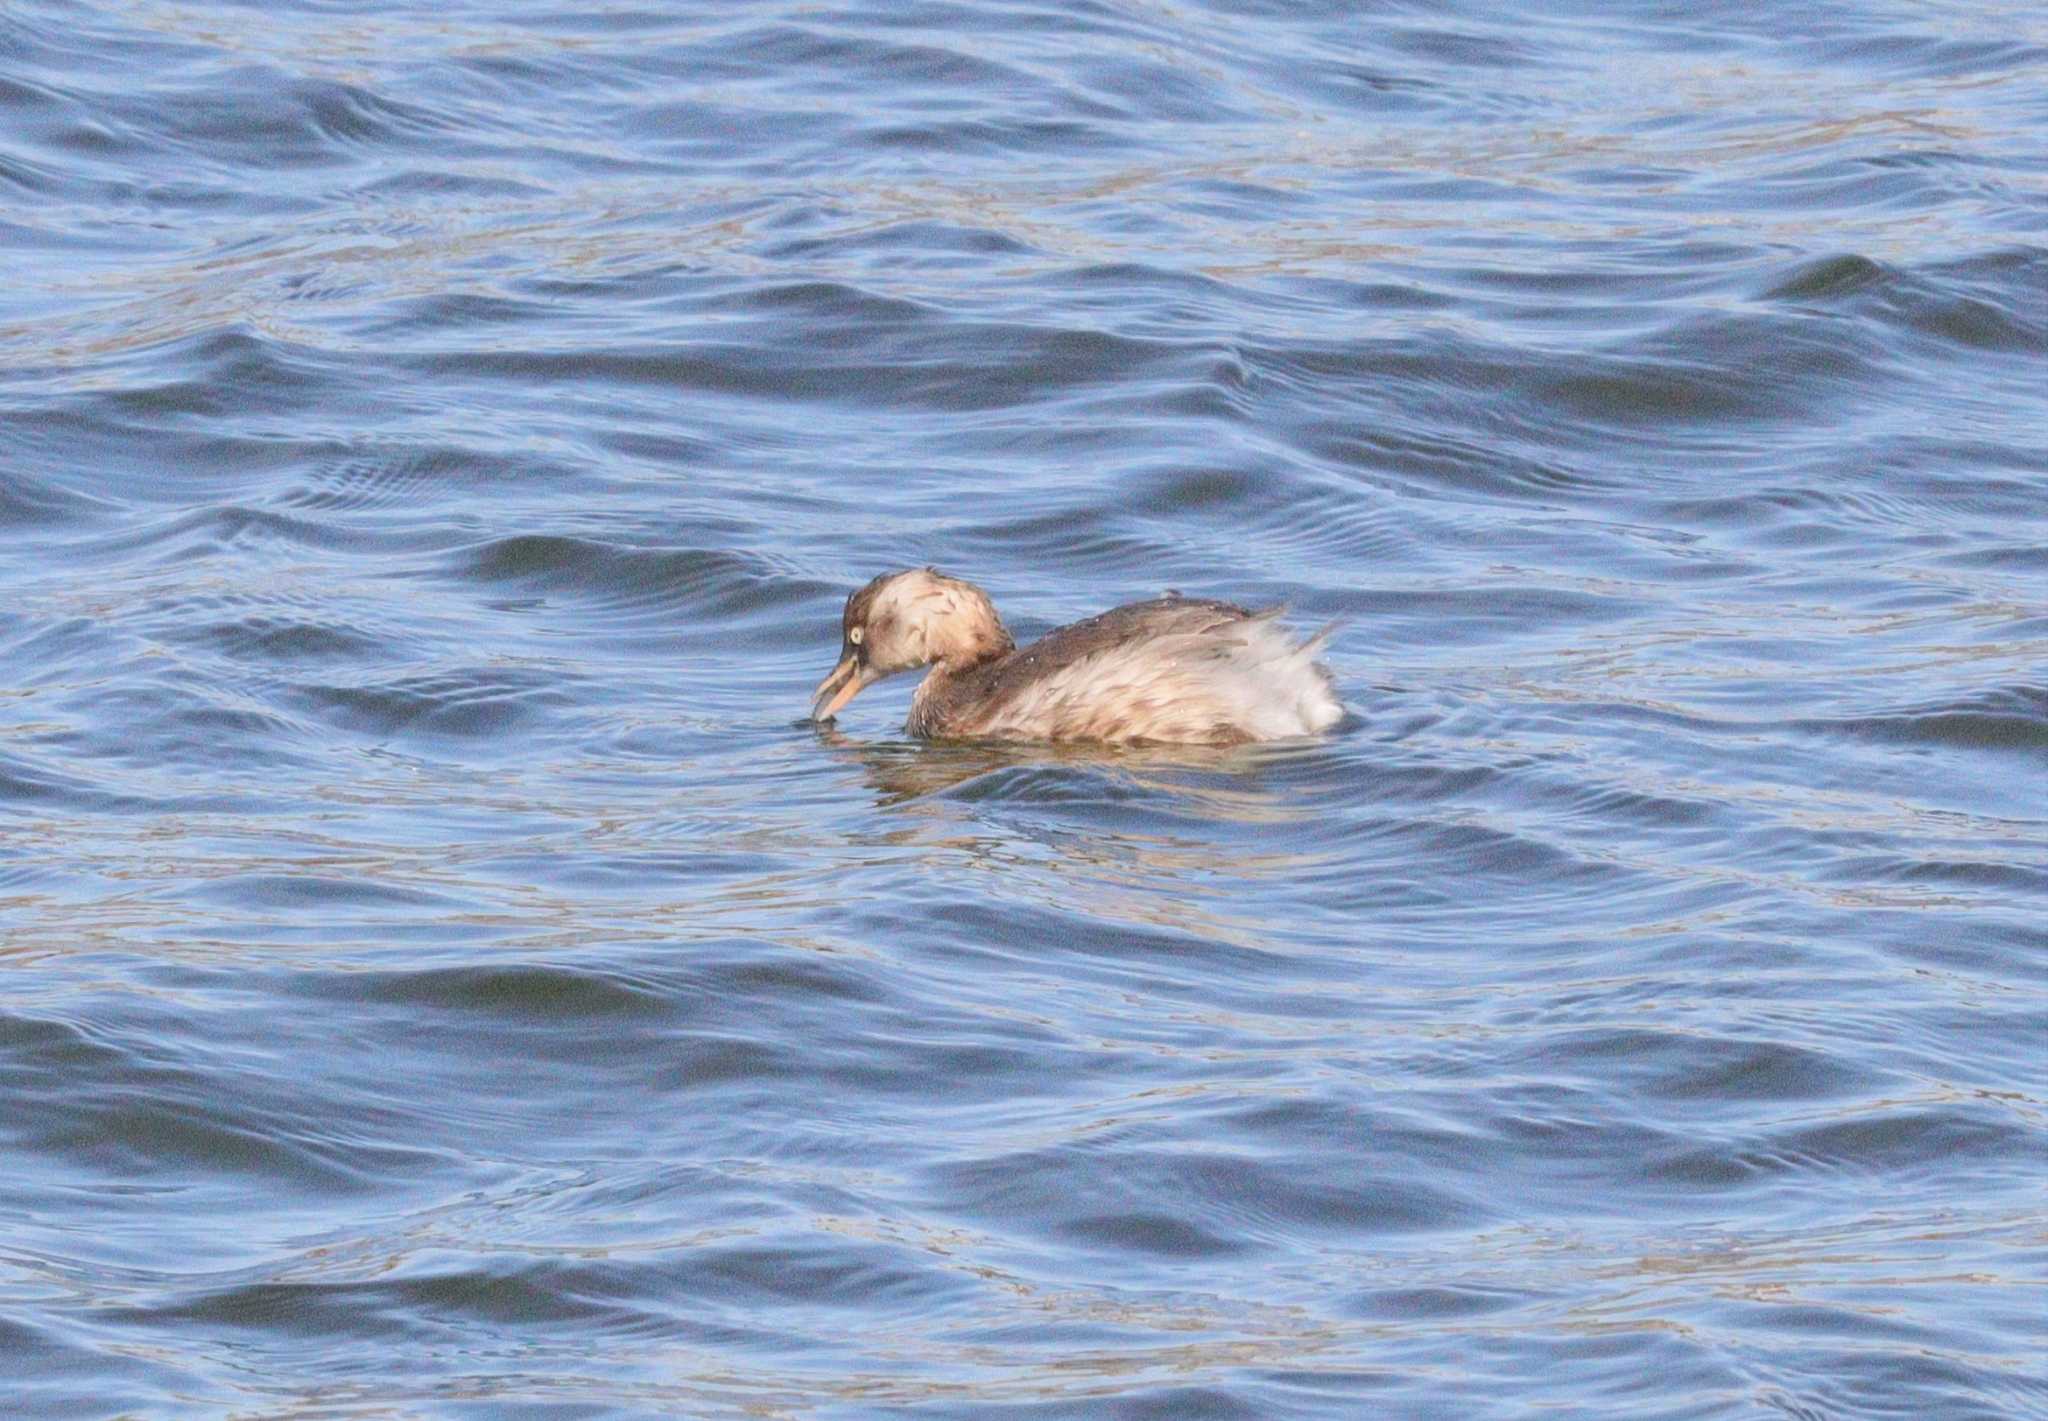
{"points": [[441, 974]]}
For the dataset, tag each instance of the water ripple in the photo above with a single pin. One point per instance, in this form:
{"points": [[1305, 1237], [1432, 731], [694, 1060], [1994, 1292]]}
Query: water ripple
{"points": [[436, 447]]}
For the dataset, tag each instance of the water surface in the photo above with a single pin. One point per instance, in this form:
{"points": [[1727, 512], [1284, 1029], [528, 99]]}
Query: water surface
{"points": [[443, 977]]}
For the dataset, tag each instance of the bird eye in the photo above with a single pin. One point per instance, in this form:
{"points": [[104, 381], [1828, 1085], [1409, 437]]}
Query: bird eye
{"points": [[854, 636]]}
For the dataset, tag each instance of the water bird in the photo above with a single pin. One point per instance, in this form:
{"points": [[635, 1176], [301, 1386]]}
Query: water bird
{"points": [[1174, 670]]}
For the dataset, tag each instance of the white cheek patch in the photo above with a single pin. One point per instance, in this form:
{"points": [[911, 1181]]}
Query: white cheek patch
{"points": [[918, 618]]}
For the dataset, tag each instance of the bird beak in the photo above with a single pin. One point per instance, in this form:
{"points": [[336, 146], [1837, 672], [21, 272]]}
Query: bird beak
{"points": [[845, 682]]}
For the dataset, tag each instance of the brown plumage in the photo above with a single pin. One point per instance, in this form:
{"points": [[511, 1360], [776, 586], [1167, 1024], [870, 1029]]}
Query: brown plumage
{"points": [[1184, 670]]}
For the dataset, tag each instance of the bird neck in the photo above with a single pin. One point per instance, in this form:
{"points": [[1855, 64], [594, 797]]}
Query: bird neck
{"points": [[970, 643], [949, 686]]}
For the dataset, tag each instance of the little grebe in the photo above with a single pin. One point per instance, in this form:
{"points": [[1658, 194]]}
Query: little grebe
{"points": [[1183, 670]]}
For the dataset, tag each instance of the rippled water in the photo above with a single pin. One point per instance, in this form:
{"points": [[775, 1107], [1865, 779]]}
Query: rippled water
{"points": [[442, 975]]}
